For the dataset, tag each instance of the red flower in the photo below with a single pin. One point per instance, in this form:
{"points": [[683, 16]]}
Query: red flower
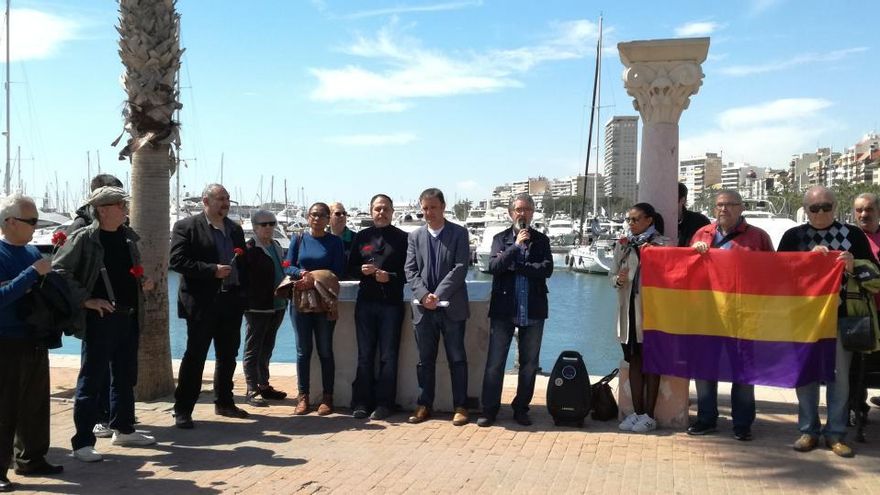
{"points": [[623, 241], [367, 249], [237, 252], [137, 271], [59, 238], [285, 264]]}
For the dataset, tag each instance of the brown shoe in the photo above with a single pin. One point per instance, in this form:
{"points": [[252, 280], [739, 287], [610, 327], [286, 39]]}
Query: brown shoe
{"points": [[422, 413], [302, 405], [840, 448], [460, 417], [806, 443], [326, 406]]}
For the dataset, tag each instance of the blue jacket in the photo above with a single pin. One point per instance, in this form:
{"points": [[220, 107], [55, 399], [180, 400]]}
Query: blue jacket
{"points": [[16, 278], [537, 269]]}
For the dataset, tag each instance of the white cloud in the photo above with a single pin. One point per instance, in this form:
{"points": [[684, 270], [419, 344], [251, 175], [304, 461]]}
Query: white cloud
{"points": [[37, 35], [802, 59], [467, 185], [700, 28], [399, 138], [406, 70], [404, 9], [764, 134], [760, 6]]}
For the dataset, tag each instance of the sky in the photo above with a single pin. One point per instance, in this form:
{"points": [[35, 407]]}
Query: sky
{"points": [[346, 99]]}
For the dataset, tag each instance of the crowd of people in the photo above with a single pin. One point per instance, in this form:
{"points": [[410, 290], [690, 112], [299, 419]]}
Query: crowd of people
{"points": [[226, 278]]}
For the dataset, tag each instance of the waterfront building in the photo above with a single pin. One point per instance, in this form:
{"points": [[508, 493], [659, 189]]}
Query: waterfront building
{"points": [[700, 174], [621, 158], [748, 180]]}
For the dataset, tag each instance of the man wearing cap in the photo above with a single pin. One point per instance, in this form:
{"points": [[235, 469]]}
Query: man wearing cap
{"points": [[211, 299], [101, 264]]}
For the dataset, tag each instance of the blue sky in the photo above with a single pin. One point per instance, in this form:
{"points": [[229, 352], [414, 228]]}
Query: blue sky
{"points": [[347, 99]]}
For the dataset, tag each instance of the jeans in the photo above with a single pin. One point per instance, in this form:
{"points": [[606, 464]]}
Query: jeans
{"points": [[307, 325], [837, 400], [111, 340], [427, 333], [259, 342], [24, 403], [529, 343], [378, 328], [222, 325], [742, 404]]}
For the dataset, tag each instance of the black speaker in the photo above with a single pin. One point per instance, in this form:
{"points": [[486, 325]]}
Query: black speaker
{"points": [[568, 393]]}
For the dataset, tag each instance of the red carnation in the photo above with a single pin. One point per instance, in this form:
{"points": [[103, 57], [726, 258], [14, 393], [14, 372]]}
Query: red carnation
{"points": [[285, 264], [623, 241], [238, 251], [367, 249], [137, 271], [59, 238]]}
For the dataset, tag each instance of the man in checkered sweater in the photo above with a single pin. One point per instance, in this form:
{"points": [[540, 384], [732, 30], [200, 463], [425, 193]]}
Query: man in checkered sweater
{"points": [[822, 233]]}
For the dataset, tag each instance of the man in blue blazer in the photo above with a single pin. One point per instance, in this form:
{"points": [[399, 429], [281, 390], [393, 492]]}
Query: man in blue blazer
{"points": [[521, 264], [437, 259]]}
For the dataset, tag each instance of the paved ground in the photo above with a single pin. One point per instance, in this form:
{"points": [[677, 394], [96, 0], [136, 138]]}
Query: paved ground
{"points": [[273, 452]]}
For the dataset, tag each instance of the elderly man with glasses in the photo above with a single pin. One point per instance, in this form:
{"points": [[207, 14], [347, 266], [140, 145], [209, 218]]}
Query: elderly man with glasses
{"points": [[24, 357], [823, 233], [339, 228], [101, 263], [730, 231]]}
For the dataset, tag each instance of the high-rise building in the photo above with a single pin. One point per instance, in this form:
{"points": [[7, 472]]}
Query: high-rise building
{"points": [[621, 158], [700, 174]]}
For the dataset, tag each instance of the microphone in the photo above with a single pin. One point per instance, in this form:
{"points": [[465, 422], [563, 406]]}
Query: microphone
{"points": [[523, 226]]}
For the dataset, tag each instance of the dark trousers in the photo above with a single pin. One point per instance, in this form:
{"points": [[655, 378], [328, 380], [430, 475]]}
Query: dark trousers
{"points": [[529, 343], [222, 325], [24, 403], [428, 331], [742, 404], [317, 326], [259, 342], [378, 328], [111, 340]]}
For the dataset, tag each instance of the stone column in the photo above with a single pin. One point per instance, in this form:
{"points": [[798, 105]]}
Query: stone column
{"points": [[661, 76]]}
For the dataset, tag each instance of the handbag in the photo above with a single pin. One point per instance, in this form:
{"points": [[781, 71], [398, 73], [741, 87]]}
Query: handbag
{"points": [[602, 398], [856, 333]]}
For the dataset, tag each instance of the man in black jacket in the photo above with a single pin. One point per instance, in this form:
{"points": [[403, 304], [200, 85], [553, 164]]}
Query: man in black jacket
{"points": [[207, 250], [521, 263], [689, 222]]}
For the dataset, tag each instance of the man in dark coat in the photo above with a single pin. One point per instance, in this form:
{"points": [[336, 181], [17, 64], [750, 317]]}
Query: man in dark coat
{"points": [[689, 222]]}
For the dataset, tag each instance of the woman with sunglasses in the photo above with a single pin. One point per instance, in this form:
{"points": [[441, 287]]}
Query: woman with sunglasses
{"points": [[646, 228], [314, 249], [339, 227], [265, 312]]}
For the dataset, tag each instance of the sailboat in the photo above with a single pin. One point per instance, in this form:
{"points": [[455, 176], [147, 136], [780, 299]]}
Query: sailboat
{"points": [[594, 253]]}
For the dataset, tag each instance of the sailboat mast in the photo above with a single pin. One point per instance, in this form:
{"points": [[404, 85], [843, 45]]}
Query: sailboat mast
{"points": [[590, 135], [598, 121], [8, 106]]}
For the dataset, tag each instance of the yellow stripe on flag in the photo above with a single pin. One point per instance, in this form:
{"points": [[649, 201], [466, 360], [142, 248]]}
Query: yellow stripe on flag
{"points": [[742, 316]]}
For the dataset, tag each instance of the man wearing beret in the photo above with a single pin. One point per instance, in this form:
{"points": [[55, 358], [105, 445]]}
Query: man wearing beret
{"points": [[101, 264]]}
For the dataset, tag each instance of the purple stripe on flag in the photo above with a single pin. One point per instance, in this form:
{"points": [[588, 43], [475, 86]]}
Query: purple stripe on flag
{"points": [[726, 359]]}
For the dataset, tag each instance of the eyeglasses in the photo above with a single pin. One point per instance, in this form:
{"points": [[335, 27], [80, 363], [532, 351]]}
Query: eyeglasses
{"points": [[30, 221], [633, 219], [826, 207], [722, 206], [339, 213], [267, 224], [316, 214], [523, 210]]}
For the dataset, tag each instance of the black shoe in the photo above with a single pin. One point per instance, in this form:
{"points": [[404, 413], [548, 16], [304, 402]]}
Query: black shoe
{"points": [[485, 421], [700, 428], [183, 421], [876, 400], [522, 418], [254, 399], [270, 393], [6, 485], [743, 436], [360, 412], [39, 469], [381, 412], [230, 411]]}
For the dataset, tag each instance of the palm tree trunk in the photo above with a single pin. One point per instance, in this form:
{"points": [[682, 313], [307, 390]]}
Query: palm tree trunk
{"points": [[150, 217]]}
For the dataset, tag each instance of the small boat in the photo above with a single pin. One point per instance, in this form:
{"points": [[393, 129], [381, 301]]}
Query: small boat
{"points": [[484, 248]]}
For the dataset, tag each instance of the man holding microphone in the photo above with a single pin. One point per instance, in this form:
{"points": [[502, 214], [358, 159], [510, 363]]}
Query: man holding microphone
{"points": [[521, 263]]}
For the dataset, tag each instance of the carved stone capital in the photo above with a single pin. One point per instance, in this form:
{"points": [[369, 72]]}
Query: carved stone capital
{"points": [[662, 90]]}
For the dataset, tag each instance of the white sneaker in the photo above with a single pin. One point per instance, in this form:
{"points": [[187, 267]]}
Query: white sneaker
{"points": [[644, 424], [133, 439], [102, 430], [628, 422], [87, 454]]}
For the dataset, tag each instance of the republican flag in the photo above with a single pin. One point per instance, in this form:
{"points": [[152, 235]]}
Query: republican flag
{"points": [[740, 316]]}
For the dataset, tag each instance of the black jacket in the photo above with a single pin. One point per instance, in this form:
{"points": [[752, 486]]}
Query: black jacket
{"points": [[537, 268], [261, 275], [194, 256]]}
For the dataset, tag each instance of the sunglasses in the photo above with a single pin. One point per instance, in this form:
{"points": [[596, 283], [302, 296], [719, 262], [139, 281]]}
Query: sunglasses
{"points": [[633, 219], [315, 214], [816, 208], [339, 213], [30, 221], [267, 224]]}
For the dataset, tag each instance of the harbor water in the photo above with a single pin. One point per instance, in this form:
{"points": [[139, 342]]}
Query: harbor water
{"points": [[582, 315]]}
